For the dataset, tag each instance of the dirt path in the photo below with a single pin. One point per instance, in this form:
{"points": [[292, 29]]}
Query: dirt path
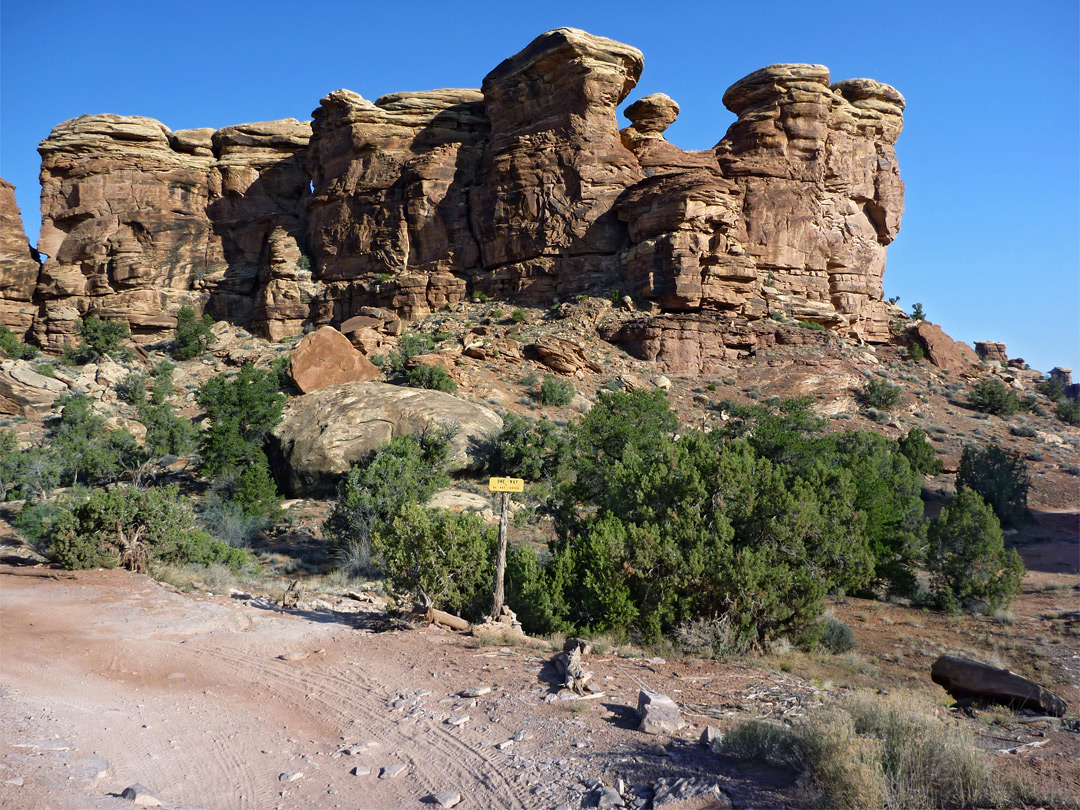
{"points": [[111, 679], [189, 698]]}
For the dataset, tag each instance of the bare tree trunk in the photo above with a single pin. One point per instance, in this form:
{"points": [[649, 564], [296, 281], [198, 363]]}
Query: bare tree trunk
{"points": [[500, 561]]}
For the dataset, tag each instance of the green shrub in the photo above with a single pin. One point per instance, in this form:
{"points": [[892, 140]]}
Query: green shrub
{"points": [[133, 527], [812, 325], [193, 334], [446, 556], [837, 637], [916, 352], [132, 389], [406, 470], [991, 395], [920, 453], [917, 313], [409, 346], [879, 394], [1000, 477], [14, 348], [555, 392], [1053, 388], [84, 453], [227, 521], [242, 411], [1068, 411], [518, 316], [435, 378], [967, 557], [166, 433], [98, 337], [528, 450]]}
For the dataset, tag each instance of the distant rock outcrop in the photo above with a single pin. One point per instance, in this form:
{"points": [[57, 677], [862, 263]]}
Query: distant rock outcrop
{"points": [[524, 189]]}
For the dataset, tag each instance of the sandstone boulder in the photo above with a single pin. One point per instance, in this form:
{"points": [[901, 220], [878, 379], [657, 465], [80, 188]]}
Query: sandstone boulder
{"points": [[963, 678], [325, 358], [659, 714], [689, 793], [563, 355], [24, 392], [941, 350], [322, 434]]}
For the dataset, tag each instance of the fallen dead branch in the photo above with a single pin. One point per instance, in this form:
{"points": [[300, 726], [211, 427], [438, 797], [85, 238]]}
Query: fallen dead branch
{"points": [[42, 573]]}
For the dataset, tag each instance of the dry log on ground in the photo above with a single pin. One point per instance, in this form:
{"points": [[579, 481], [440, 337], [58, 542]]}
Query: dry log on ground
{"points": [[966, 679], [43, 573]]}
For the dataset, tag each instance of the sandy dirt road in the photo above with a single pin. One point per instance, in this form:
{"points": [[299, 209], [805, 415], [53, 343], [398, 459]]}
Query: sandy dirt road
{"points": [[189, 698]]}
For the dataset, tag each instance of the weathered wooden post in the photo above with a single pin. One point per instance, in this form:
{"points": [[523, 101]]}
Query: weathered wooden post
{"points": [[505, 486]]}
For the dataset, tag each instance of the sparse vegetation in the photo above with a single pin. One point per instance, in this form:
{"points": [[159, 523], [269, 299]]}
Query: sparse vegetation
{"points": [[435, 378], [555, 392], [879, 395], [98, 337], [193, 334], [14, 348], [871, 751], [1000, 477], [991, 395]]}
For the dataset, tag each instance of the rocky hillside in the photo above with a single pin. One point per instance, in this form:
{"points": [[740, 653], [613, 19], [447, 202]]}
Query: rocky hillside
{"points": [[524, 190]]}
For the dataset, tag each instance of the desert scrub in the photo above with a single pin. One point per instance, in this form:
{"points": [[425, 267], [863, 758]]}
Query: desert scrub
{"points": [[1000, 476], [555, 392], [98, 337], [871, 751], [14, 348], [991, 395], [435, 378], [193, 334], [879, 395]]}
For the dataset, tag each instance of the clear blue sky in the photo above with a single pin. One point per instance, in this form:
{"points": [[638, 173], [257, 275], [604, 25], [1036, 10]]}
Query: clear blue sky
{"points": [[990, 243]]}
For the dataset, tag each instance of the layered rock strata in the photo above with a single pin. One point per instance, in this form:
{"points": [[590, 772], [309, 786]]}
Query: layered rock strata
{"points": [[19, 266], [524, 189]]}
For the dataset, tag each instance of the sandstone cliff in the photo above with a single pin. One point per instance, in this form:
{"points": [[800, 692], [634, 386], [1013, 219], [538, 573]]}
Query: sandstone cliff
{"points": [[19, 266], [524, 190]]}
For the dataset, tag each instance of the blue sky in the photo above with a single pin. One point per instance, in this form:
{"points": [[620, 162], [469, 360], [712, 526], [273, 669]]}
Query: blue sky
{"points": [[990, 243]]}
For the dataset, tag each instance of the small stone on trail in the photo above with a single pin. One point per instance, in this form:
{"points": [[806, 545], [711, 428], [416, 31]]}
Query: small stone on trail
{"points": [[710, 735], [17, 781], [290, 776], [504, 745], [140, 796], [458, 720], [361, 770], [609, 797], [293, 656], [476, 691], [390, 771], [446, 798]]}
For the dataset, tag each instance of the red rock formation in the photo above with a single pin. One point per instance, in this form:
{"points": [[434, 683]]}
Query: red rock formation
{"points": [[325, 358], [524, 190], [554, 166], [19, 266], [389, 217], [942, 350], [822, 194]]}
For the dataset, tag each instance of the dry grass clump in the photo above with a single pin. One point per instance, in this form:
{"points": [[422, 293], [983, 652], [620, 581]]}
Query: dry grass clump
{"points": [[872, 751]]}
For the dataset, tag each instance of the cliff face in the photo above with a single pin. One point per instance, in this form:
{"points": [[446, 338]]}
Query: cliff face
{"points": [[524, 190], [19, 266]]}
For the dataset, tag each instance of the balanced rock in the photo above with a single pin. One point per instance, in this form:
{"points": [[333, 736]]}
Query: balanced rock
{"points": [[659, 713], [326, 357], [322, 434], [963, 678]]}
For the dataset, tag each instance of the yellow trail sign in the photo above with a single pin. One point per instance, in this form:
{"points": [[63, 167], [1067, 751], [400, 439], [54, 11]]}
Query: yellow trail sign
{"points": [[506, 485]]}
